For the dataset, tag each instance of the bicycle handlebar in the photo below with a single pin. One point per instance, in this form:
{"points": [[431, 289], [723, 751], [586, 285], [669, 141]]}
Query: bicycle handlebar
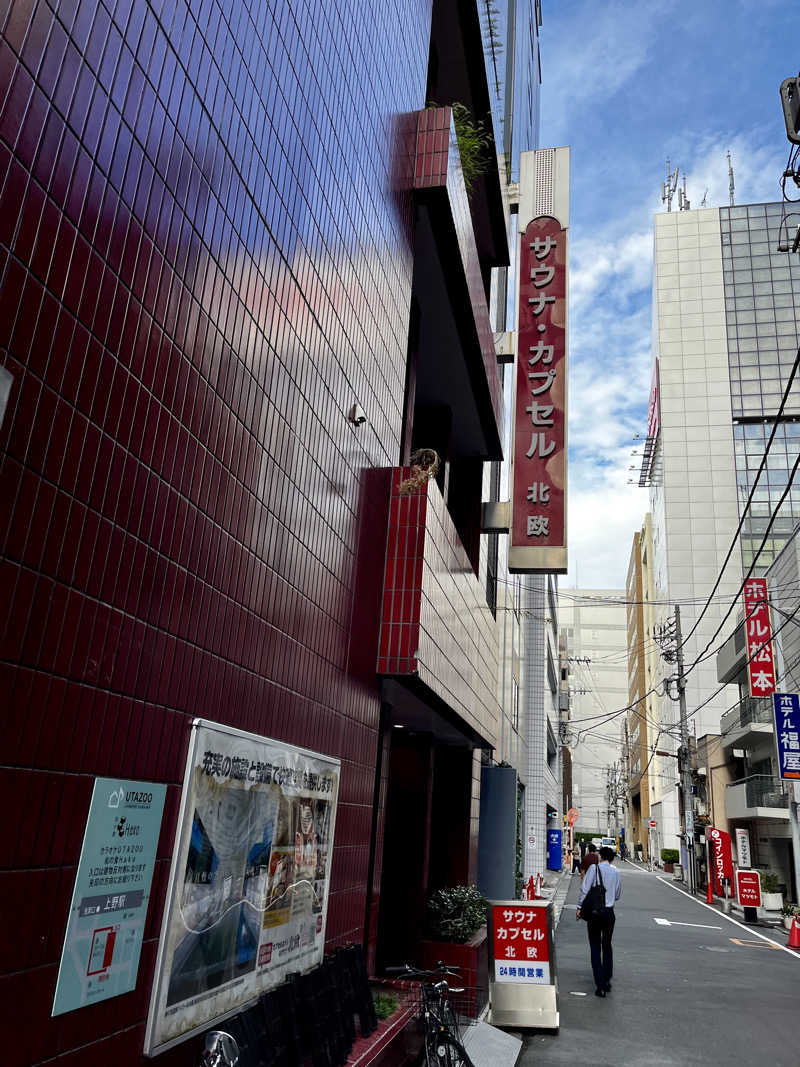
{"points": [[419, 972]]}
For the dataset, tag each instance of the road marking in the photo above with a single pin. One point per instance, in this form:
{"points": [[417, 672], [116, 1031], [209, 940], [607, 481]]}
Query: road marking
{"points": [[745, 943], [671, 922], [572, 993], [735, 922]]}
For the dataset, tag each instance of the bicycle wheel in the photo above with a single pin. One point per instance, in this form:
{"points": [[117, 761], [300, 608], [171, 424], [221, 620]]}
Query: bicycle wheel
{"points": [[442, 1050]]}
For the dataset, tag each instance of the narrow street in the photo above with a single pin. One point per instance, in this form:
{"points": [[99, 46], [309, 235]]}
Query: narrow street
{"points": [[701, 993]]}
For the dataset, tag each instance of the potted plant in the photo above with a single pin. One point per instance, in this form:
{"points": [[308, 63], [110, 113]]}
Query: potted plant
{"points": [[669, 857], [456, 935], [771, 896], [789, 912]]}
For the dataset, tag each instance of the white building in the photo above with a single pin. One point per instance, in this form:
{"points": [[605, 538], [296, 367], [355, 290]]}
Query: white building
{"points": [[593, 623], [725, 332]]}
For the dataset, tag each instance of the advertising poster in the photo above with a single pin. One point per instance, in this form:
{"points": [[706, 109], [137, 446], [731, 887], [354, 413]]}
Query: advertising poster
{"points": [[100, 958], [521, 944], [248, 891]]}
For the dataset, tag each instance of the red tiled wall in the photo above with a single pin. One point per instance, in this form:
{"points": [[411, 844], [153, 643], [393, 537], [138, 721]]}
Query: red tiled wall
{"points": [[205, 261]]}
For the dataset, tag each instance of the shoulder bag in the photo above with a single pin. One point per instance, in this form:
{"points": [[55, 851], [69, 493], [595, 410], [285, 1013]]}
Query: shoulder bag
{"points": [[595, 900]]}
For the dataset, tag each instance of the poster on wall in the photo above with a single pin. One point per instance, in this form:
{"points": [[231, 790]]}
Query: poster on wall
{"points": [[103, 941], [248, 891]]}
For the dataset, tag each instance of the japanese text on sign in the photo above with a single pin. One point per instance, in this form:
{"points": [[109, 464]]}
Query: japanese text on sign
{"points": [[787, 733], [758, 628], [521, 946], [540, 410]]}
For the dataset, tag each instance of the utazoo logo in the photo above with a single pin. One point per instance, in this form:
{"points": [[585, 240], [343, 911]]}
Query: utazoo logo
{"points": [[132, 799]]}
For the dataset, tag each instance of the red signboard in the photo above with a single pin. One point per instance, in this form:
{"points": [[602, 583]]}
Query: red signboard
{"points": [[538, 526], [761, 660], [748, 889], [720, 857], [521, 943]]}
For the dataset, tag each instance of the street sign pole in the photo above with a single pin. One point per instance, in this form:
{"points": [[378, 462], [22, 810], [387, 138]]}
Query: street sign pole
{"points": [[686, 769]]}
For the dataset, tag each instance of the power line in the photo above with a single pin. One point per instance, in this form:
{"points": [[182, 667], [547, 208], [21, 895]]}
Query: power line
{"points": [[746, 508], [770, 524]]}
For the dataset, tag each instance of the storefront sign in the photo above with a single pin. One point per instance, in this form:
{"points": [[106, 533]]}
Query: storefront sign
{"points": [[748, 889], [787, 733], [100, 958], [539, 461], [521, 944], [761, 660], [248, 893], [720, 857], [743, 848]]}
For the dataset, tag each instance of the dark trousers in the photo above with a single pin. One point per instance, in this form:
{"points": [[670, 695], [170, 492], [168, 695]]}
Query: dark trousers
{"points": [[576, 864], [601, 930]]}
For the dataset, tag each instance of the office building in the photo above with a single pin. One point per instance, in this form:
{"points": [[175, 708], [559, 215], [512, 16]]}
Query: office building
{"points": [[243, 283], [593, 624], [725, 335]]}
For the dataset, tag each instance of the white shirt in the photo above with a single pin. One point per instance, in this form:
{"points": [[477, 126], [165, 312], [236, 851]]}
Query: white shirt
{"points": [[610, 878]]}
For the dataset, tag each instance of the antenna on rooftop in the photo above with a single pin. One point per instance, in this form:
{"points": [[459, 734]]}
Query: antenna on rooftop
{"points": [[683, 199], [731, 186], [705, 197], [669, 186]]}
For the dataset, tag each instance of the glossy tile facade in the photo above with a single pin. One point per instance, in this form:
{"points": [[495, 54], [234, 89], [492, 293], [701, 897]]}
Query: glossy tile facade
{"points": [[206, 259]]}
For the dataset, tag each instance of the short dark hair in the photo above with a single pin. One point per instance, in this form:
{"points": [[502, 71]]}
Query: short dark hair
{"points": [[607, 854], [590, 847]]}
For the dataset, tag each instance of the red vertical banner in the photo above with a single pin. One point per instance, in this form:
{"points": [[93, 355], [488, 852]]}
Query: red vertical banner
{"points": [[758, 627], [720, 858], [539, 520]]}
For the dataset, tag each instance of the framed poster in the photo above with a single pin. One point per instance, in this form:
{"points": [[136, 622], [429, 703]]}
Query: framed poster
{"points": [[248, 891]]}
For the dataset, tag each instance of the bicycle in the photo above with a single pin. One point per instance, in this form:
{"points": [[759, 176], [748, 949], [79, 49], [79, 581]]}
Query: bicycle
{"points": [[443, 1046]]}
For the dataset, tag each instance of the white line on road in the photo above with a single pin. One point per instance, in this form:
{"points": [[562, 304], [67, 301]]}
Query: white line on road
{"points": [[671, 922], [735, 922]]}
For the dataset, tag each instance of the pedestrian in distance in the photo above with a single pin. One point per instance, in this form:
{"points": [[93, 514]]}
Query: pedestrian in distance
{"points": [[590, 858], [600, 890], [576, 859]]}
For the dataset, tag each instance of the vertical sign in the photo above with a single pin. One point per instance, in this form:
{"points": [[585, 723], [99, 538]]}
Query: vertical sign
{"points": [[720, 857], [743, 848], [748, 889], [761, 661], [787, 733], [100, 958], [521, 943], [539, 461]]}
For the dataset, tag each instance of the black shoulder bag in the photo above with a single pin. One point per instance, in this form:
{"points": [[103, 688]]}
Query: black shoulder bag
{"points": [[595, 900]]}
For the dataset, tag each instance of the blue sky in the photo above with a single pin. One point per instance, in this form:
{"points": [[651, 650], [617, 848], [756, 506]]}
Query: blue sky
{"points": [[628, 85]]}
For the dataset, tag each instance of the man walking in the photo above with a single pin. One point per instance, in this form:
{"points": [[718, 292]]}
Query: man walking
{"points": [[600, 925], [589, 859]]}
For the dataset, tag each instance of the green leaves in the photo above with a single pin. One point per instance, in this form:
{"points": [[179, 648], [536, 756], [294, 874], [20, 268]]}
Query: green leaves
{"points": [[456, 913]]}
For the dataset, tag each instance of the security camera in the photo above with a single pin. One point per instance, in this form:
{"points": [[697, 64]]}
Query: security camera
{"points": [[357, 415]]}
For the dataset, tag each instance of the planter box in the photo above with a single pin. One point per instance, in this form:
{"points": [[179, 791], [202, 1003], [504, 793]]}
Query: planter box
{"points": [[472, 960], [669, 868], [772, 901]]}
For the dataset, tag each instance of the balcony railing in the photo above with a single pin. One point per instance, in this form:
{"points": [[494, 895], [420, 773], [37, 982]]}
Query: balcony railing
{"points": [[762, 791], [751, 709]]}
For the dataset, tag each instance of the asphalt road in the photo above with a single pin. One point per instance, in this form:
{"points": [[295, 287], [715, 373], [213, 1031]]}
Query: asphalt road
{"points": [[682, 994]]}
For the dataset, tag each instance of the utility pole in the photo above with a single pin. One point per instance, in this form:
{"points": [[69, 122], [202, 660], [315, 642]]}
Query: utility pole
{"points": [[686, 770]]}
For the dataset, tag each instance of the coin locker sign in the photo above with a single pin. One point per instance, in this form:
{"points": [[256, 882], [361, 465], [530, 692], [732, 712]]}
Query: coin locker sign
{"points": [[100, 958]]}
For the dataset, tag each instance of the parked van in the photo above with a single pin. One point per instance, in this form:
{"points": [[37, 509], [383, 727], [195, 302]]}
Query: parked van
{"points": [[608, 842]]}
